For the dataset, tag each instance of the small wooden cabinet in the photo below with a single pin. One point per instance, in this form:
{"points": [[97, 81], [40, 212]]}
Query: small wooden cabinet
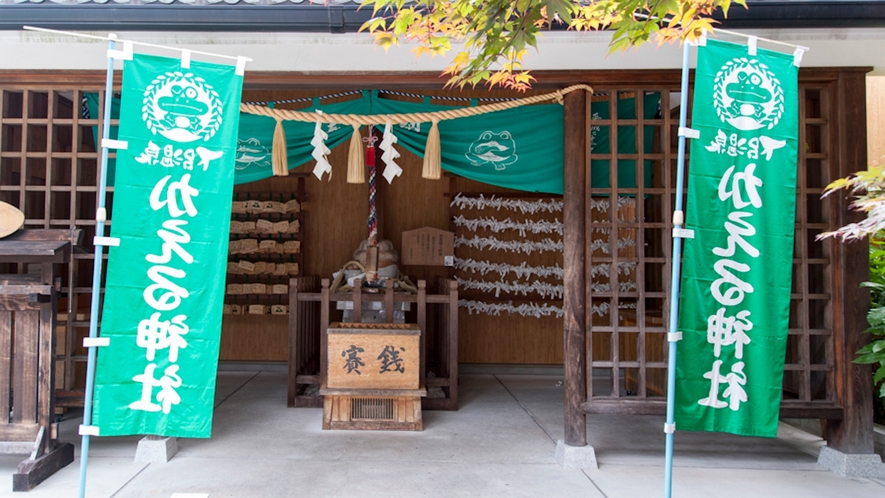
{"points": [[27, 352]]}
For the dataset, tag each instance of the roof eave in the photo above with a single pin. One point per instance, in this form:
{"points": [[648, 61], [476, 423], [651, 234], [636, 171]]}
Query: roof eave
{"points": [[243, 17]]}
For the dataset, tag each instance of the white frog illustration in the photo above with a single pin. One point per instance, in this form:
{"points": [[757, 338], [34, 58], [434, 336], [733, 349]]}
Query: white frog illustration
{"points": [[497, 149]]}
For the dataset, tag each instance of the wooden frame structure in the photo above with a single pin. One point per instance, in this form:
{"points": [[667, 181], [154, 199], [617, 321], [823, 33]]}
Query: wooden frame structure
{"points": [[827, 304], [49, 169], [41, 128]]}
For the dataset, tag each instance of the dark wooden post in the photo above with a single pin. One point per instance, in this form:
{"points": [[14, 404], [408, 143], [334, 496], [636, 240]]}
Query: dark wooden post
{"points": [[295, 333], [422, 326], [852, 434], [324, 324], [575, 171]]}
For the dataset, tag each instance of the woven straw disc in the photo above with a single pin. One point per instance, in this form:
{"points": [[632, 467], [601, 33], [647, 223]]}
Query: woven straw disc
{"points": [[11, 219]]}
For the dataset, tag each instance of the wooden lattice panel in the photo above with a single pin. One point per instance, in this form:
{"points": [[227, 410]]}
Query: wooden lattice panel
{"points": [[627, 357], [49, 168]]}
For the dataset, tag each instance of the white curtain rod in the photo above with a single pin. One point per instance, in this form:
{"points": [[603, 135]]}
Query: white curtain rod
{"points": [[113, 37], [768, 40]]}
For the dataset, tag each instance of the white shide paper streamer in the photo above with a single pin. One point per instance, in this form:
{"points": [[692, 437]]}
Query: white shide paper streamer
{"points": [[530, 207], [535, 310], [320, 151], [527, 247], [522, 270], [543, 289], [497, 203], [497, 226], [391, 169], [496, 309]]}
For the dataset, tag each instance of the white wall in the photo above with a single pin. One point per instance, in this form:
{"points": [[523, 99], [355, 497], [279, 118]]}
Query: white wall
{"points": [[355, 52]]}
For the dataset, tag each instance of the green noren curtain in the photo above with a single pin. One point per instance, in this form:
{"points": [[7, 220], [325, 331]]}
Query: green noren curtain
{"points": [[519, 148]]}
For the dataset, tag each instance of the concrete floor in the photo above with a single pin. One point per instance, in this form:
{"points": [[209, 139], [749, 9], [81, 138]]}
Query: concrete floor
{"points": [[500, 443]]}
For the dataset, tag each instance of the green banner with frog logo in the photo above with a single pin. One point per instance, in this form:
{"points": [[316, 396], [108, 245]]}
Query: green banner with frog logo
{"points": [[736, 280], [165, 280]]}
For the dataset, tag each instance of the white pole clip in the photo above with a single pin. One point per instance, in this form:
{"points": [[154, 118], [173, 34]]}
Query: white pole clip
{"points": [[797, 55], [96, 342], [241, 65], [110, 143], [683, 233], [674, 336], [185, 59], [123, 55], [101, 215], [751, 45], [702, 40], [669, 428], [106, 241], [688, 132], [88, 430]]}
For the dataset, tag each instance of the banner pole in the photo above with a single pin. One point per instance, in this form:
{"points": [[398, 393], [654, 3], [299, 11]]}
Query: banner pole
{"points": [[678, 220], [100, 218]]}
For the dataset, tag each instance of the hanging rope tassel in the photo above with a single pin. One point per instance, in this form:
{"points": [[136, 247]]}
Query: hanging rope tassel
{"points": [[279, 156], [432, 160], [356, 170]]}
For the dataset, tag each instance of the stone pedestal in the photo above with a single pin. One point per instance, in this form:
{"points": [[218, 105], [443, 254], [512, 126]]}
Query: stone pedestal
{"points": [[575, 457], [155, 449], [851, 465]]}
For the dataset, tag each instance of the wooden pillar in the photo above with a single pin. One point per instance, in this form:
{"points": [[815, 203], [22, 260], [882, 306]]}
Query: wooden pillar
{"points": [[575, 172], [852, 434]]}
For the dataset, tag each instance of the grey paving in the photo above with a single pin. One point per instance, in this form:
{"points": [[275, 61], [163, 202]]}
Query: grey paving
{"points": [[500, 443]]}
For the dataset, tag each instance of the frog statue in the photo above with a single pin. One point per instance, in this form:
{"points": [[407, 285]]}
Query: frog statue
{"points": [[497, 149]]}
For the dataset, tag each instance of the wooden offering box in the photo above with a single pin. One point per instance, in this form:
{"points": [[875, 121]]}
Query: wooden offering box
{"points": [[373, 356]]}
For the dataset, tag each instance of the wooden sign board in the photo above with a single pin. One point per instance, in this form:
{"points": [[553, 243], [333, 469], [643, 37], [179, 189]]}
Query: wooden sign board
{"points": [[373, 356], [428, 246]]}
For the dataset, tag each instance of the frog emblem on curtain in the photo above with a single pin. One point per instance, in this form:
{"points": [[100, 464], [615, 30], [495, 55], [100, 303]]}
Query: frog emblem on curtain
{"points": [[250, 152], [496, 149]]}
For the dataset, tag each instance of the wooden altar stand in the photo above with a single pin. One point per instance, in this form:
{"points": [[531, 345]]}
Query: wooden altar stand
{"points": [[27, 373]]}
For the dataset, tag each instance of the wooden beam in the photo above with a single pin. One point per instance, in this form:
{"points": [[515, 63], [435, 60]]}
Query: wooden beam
{"points": [[5, 363], [19, 433], [626, 406], [295, 320], [575, 356], [287, 80], [24, 405], [30, 472], [452, 345], [854, 433]]}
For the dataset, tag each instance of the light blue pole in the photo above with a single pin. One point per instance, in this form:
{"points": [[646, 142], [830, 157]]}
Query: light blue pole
{"points": [[674, 275], [96, 270]]}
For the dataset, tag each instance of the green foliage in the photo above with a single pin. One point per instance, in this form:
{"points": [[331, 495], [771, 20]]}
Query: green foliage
{"points": [[874, 352], [496, 34], [868, 187]]}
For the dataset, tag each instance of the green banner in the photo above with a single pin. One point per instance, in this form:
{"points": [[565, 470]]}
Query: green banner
{"points": [[165, 281], [736, 281]]}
